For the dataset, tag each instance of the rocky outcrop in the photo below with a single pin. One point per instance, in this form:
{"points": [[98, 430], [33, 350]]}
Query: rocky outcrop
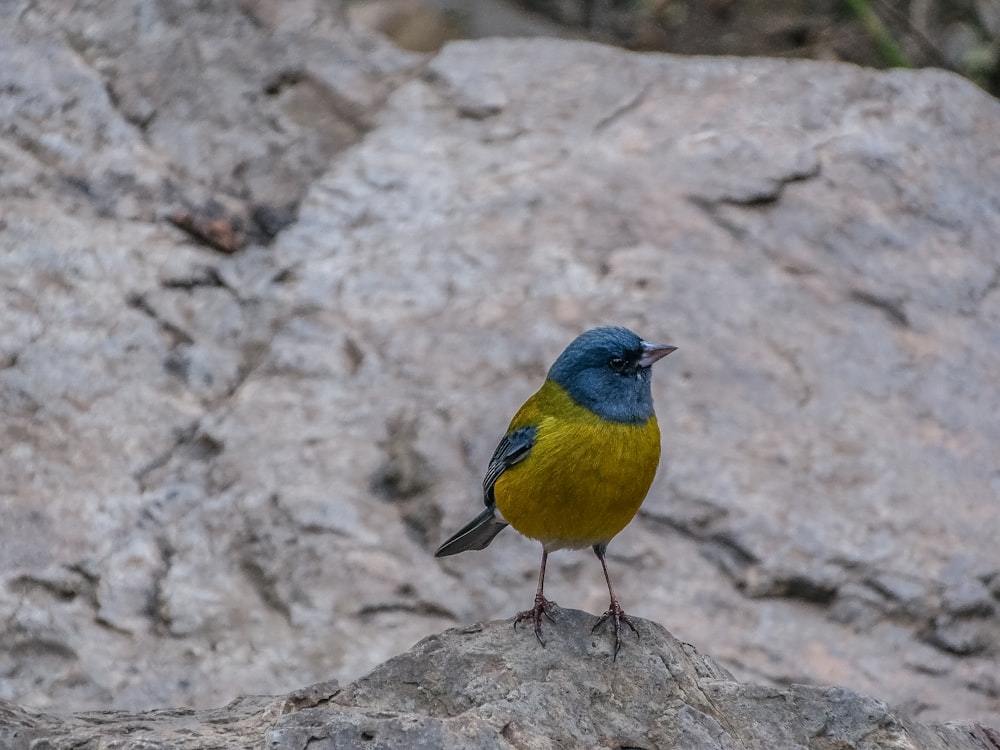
{"points": [[489, 686], [224, 473]]}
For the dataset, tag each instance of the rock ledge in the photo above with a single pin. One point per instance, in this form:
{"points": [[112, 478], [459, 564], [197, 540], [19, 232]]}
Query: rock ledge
{"points": [[489, 686]]}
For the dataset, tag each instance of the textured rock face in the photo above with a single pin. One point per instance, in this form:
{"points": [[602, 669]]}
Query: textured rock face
{"points": [[489, 686], [223, 474]]}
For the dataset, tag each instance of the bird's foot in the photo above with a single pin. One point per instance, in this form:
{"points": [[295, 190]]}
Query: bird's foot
{"points": [[543, 607], [616, 613]]}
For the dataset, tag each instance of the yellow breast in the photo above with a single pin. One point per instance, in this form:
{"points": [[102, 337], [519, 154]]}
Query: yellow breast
{"points": [[585, 477]]}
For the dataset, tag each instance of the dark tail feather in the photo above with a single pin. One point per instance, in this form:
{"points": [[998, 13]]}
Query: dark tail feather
{"points": [[475, 535]]}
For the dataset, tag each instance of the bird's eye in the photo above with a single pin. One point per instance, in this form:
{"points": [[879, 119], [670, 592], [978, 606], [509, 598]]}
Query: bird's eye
{"points": [[617, 364]]}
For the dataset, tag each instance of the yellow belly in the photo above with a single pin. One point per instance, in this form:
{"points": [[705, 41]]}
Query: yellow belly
{"points": [[584, 479]]}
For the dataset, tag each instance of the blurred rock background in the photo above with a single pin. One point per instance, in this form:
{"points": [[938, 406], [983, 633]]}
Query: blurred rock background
{"points": [[273, 286], [958, 35]]}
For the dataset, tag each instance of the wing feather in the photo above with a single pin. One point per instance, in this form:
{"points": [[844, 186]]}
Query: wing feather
{"points": [[513, 448]]}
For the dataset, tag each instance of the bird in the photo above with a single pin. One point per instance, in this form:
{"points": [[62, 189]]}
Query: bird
{"points": [[576, 462]]}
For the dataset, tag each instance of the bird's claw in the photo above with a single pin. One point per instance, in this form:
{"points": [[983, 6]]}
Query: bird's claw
{"points": [[616, 612], [542, 607]]}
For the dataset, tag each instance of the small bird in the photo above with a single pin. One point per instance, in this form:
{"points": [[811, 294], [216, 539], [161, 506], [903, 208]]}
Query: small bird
{"points": [[577, 460]]}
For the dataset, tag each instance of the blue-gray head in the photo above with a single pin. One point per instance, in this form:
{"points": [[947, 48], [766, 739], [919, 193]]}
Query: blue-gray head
{"points": [[607, 370]]}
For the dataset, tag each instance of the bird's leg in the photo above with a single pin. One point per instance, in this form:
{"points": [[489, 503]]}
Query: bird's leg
{"points": [[614, 609], [542, 605]]}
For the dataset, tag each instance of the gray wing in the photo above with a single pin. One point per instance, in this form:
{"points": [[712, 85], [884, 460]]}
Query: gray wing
{"points": [[480, 531], [513, 448]]}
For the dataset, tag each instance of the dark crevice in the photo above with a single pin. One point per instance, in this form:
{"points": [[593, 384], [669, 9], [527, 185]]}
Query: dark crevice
{"points": [[203, 276], [893, 308], [629, 106], [265, 587], [138, 301], [427, 609], [773, 193], [196, 445]]}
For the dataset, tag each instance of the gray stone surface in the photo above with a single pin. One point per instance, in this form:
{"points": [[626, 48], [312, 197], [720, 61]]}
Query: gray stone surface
{"points": [[223, 474], [490, 686]]}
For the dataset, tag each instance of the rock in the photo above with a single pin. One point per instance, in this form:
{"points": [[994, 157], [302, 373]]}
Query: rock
{"points": [[968, 597], [491, 686], [149, 104], [960, 635], [224, 472], [909, 592]]}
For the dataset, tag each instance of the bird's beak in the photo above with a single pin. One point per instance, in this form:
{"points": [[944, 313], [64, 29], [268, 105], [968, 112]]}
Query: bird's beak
{"points": [[653, 353]]}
